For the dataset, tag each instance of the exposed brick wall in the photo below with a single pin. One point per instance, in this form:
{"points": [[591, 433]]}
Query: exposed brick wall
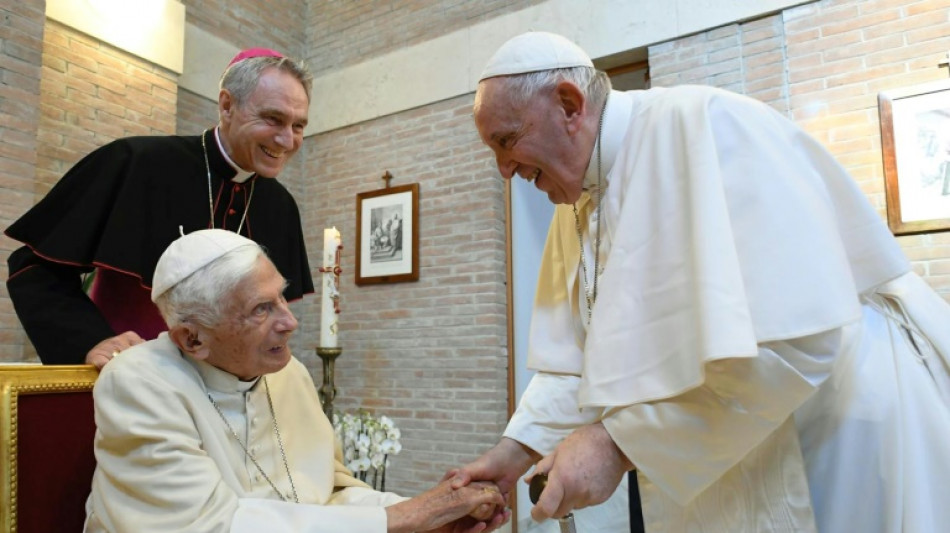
{"points": [[92, 93], [277, 24], [21, 49], [195, 113], [823, 65], [430, 354], [345, 33]]}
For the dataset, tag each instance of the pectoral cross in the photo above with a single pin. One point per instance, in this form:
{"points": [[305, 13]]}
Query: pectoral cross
{"points": [[945, 62]]}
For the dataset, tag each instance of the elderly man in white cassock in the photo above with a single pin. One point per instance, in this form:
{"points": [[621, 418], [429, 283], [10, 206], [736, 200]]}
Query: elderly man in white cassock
{"points": [[215, 426], [719, 309]]}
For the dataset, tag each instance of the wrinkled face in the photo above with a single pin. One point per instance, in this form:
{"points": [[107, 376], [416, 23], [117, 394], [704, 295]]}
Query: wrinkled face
{"points": [[252, 340], [261, 134], [536, 141]]}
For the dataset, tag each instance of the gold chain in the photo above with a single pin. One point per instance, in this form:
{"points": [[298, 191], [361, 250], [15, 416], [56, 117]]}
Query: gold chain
{"points": [[280, 443], [591, 295]]}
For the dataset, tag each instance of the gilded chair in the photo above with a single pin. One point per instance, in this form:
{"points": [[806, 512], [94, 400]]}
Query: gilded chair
{"points": [[47, 430]]}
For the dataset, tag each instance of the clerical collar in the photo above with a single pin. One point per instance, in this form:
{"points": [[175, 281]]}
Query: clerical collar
{"points": [[242, 175], [218, 380], [615, 124]]}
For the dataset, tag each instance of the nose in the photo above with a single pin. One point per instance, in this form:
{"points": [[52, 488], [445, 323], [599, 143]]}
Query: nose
{"points": [[506, 166], [285, 137], [286, 321]]}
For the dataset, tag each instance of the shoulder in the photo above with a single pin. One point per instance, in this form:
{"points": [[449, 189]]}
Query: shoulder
{"points": [[690, 99], [156, 145], [157, 361]]}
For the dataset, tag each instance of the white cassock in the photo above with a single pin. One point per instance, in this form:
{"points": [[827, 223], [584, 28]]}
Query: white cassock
{"points": [[167, 462], [750, 348]]}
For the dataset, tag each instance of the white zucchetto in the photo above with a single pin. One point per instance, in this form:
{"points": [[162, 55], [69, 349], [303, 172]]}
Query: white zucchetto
{"points": [[190, 253], [533, 52]]}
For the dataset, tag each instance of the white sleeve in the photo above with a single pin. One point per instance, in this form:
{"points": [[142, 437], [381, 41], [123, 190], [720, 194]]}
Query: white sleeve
{"points": [[354, 509], [548, 412], [685, 443]]}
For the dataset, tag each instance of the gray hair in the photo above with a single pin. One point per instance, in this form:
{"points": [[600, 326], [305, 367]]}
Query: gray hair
{"points": [[200, 298], [523, 88], [240, 79]]}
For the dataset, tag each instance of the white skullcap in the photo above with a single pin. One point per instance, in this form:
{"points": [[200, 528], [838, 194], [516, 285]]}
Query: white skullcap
{"points": [[190, 253], [535, 51]]}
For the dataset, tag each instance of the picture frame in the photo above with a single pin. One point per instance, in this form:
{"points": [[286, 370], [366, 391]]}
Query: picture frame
{"points": [[387, 235], [915, 141]]}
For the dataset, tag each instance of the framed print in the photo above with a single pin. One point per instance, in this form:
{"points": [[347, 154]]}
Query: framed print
{"points": [[387, 235], [915, 139]]}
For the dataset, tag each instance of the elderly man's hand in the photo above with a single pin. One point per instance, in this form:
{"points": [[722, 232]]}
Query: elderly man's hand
{"points": [[585, 469], [502, 465], [103, 352], [448, 510]]}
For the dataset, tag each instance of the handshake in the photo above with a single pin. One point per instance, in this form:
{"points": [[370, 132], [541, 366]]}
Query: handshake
{"points": [[452, 506]]}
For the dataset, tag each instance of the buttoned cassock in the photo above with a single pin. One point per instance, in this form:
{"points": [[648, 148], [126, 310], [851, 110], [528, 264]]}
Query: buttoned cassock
{"points": [[749, 349], [167, 462]]}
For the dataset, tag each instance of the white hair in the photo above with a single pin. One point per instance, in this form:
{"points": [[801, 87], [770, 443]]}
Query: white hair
{"points": [[522, 88], [200, 298]]}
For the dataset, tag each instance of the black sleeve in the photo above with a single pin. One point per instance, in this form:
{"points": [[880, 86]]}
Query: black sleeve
{"points": [[61, 321]]}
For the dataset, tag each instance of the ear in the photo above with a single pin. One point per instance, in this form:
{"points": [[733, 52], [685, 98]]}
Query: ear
{"points": [[572, 102], [190, 339], [225, 105]]}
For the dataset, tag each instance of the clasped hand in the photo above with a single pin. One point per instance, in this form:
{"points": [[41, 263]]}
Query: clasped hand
{"points": [[471, 508], [584, 470]]}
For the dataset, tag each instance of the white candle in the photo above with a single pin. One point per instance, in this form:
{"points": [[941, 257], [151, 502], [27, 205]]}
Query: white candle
{"points": [[329, 279]]}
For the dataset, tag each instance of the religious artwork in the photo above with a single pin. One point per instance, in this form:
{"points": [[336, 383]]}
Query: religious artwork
{"points": [[915, 139], [387, 235]]}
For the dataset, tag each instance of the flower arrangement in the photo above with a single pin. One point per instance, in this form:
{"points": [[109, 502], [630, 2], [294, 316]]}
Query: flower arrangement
{"points": [[367, 444]]}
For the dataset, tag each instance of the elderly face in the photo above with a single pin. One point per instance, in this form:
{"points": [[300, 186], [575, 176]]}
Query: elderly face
{"points": [[252, 339], [261, 134], [538, 140]]}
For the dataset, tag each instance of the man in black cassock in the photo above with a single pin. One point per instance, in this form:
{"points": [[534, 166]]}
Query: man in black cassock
{"points": [[119, 208]]}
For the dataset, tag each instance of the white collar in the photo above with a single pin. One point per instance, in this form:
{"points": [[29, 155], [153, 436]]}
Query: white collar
{"points": [[616, 121], [219, 380], [242, 175]]}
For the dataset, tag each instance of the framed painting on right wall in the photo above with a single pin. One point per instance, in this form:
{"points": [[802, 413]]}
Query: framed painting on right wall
{"points": [[915, 139]]}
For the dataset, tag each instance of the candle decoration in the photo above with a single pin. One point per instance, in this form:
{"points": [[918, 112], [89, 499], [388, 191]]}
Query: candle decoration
{"points": [[329, 348]]}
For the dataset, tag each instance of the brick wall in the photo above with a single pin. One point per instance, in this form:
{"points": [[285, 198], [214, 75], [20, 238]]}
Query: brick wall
{"points": [[823, 65], [430, 354], [21, 47], [195, 113], [92, 93], [277, 24], [341, 34]]}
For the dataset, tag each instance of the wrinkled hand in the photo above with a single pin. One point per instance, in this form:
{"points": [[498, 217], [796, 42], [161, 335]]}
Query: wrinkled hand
{"points": [[585, 469], [446, 509], [103, 352], [503, 465]]}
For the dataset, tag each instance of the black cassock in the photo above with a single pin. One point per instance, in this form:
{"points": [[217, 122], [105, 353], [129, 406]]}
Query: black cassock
{"points": [[118, 209]]}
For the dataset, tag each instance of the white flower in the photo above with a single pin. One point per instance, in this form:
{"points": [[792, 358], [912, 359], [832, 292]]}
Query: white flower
{"points": [[390, 447], [367, 443]]}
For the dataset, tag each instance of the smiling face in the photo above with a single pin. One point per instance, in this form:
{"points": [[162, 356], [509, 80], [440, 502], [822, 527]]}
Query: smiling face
{"points": [[263, 132], [544, 141], [252, 339]]}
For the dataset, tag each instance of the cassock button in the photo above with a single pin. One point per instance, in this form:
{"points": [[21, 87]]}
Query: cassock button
{"points": [[231, 211], [237, 187]]}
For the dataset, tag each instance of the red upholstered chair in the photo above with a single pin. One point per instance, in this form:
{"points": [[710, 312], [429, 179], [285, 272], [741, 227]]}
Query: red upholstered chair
{"points": [[47, 430]]}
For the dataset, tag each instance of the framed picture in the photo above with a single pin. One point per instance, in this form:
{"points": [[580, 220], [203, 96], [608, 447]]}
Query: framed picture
{"points": [[387, 235], [915, 138]]}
